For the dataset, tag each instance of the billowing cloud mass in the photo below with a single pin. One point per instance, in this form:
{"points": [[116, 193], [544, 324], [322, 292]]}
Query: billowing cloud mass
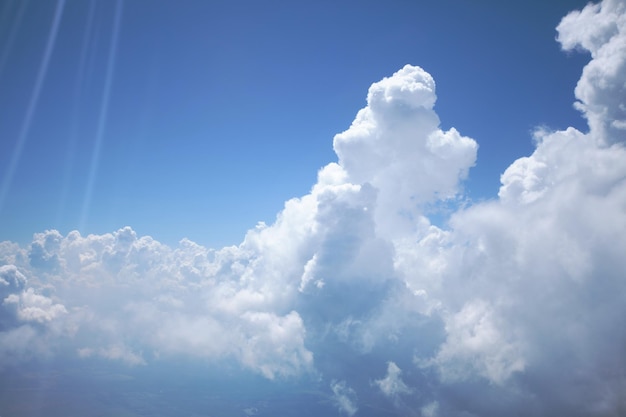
{"points": [[516, 306]]}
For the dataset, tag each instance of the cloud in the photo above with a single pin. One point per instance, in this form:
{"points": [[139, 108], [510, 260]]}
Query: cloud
{"points": [[189, 301], [11, 278], [392, 385], [601, 30], [116, 352], [517, 304], [430, 410], [476, 347], [31, 306], [344, 397], [396, 146]]}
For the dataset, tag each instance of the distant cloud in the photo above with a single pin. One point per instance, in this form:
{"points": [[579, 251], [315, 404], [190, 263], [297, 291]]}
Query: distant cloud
{"points": [[30, 306], [11, 279], [517, 304], [392, 385], [344, 397], [117, 352]]}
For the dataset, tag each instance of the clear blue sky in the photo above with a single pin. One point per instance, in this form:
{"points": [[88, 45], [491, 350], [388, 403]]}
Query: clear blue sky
{"points": [[217, 112]]}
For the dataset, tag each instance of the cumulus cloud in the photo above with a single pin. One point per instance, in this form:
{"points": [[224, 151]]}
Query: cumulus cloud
{"points": [[395, 145], [11, 279], [516, 305], [475, 347], [601, 30], [31, 306]]}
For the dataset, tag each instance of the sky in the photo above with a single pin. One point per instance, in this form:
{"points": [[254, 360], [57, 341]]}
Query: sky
{"points": [[199, 120], [340, 209]]}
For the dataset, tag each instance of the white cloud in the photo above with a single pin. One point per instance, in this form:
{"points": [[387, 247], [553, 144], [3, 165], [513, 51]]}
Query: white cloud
{"points": [[190, 301], [392, 384], [395, 145], [275, 345], [475, 347], [344, 397], [600, 29], [31, 306], [11, 279]]}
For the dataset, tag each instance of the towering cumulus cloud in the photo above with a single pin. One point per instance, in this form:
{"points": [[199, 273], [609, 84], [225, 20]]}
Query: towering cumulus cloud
{"points": [[599, 29], [515, 308]]}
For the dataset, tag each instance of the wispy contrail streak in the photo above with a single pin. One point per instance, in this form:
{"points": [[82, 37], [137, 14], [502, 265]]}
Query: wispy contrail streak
{"points": [[32, 104], [15, 24], [76, 104], [102, 118]]}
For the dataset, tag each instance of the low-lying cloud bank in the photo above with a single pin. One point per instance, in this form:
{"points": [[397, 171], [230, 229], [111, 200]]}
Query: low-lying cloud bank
{"points": [[517, 305]]}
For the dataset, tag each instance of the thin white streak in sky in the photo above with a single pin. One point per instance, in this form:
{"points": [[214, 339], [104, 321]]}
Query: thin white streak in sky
{"points": [[76, 104], [15, 24], [102, 118], [34, 99]]}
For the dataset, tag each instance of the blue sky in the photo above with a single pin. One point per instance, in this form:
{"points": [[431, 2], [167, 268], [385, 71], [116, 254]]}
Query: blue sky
{"points": [[218, 112], [345, 209]]}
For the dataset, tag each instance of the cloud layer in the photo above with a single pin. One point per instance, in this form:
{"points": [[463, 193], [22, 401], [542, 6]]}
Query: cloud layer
{"points": [[517, 304]]}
